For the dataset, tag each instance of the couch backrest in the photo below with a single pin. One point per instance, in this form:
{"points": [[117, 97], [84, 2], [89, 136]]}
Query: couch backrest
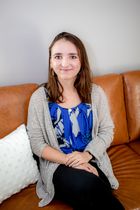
{"points": [[132, 100], [113, 87], [13, 106]]}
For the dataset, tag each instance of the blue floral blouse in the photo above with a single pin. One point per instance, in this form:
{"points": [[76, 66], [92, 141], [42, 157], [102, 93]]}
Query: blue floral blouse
{"points": [[73, 126]]}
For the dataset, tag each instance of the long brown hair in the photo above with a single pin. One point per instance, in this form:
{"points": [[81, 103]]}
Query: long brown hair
{"points": [[83, 80]]}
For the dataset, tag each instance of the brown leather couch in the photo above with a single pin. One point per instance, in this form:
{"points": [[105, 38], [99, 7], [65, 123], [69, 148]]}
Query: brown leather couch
{"points": [[123, 92]]}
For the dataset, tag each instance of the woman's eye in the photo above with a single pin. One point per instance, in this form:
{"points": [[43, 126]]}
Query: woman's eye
{"points": [[74, 57], [58, 57]]}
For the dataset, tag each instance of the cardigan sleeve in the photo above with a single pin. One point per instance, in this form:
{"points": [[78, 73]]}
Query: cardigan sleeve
{"points": [[34, 126], [103, 124]]}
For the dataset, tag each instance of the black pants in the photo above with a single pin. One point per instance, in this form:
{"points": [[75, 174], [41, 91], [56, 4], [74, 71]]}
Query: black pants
{"points": [[84, 190]]}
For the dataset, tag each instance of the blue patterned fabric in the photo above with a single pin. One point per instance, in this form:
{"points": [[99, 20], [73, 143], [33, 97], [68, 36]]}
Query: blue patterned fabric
{"points": [[73, 126]]}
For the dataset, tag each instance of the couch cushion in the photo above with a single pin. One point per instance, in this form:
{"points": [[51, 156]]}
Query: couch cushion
{"points": [[132, 98], [28, 200], [126, 166], [113, 87], [13, 106], [18, 168]]}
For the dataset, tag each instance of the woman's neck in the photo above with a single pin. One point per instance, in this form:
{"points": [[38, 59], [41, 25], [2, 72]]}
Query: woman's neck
{"points": [[68, 86], [70, 95]]}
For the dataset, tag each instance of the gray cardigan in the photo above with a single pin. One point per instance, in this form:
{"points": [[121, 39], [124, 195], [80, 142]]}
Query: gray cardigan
{"points": [[41, 133]]}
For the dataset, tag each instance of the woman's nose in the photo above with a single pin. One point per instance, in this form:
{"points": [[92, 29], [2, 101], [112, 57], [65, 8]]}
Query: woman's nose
{"points": [[65, 62]]}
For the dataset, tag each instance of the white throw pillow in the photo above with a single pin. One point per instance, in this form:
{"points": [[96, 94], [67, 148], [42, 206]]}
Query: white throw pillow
{"points": [[18, 168]]}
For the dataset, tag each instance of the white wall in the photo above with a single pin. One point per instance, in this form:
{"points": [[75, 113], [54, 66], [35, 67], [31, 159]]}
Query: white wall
{"points": [[110, 30]]}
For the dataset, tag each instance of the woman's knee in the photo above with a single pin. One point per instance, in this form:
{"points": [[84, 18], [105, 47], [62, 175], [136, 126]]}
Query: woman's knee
{"points": [[75, 180]]}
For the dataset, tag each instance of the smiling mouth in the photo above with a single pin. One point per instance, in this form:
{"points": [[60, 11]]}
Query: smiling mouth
{"points": [[65, 69]]}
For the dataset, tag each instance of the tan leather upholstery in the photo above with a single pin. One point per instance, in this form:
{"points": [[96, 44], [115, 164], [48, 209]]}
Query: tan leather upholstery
{"points": [[124, 101], [113, 87], [132, 99], [27, 200], [13, 106], [135, 145], [126, 165]]}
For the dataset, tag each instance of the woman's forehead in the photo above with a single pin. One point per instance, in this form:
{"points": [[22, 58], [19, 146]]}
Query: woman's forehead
{"points": [[64, 46]]}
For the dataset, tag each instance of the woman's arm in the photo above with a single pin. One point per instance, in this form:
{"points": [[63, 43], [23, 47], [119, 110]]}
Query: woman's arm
{"points": [[38, 144], [103, 125], [34, 129], [53, 155]]}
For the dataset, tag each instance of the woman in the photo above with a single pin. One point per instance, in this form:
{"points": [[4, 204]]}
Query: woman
{"points": [[70, 128]]}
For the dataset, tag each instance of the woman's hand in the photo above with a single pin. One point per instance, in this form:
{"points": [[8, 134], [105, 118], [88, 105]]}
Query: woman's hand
{"points": [[88, 167], [75, 159]]}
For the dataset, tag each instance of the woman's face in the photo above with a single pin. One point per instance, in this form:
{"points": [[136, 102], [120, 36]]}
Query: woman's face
{"points": [[65, 60]]}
